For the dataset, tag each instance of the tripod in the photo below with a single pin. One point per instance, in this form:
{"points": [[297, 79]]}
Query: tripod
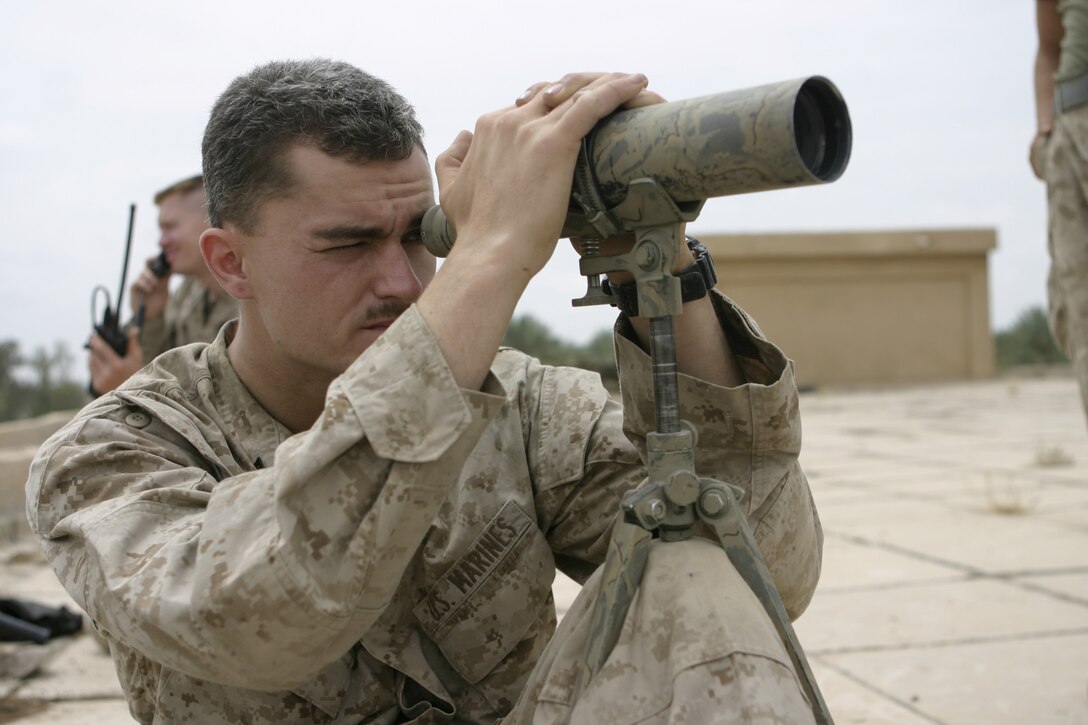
{"points": [[673, 496]]}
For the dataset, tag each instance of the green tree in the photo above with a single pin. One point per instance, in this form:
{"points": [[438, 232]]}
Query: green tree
{"points": [[1027, 342], [533, 337], [9, 359], [38, 384], [599, 354]]}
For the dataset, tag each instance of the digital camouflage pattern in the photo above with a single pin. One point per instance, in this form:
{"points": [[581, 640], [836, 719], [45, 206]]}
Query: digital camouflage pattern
{"points": [[693, 624], [189, 317], [1065, 168], [395, 562]]}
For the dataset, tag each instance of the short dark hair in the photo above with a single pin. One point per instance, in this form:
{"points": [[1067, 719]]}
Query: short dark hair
{"points": [[333, 105], [183, 187]]}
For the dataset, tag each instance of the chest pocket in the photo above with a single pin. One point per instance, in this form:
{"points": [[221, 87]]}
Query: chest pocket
{"points": [[486, 603]]}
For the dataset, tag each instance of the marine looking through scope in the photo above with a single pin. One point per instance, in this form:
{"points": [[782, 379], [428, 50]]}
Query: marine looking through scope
{"points": [[775, 136]]}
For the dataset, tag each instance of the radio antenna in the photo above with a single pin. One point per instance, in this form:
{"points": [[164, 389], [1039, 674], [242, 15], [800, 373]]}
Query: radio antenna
{"points": [[124, 266]]}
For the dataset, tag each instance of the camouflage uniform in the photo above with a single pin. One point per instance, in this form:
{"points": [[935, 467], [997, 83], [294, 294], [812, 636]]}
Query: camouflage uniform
{"points": [[1065, 168], [190, 316], [1063, 162], [395, 562]]}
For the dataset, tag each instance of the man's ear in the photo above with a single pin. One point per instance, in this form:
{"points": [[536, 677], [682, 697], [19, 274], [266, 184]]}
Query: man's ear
{"points": [[223, 251]]}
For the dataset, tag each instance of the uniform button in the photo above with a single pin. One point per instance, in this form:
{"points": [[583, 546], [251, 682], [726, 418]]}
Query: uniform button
{"points": [[138, 419]]}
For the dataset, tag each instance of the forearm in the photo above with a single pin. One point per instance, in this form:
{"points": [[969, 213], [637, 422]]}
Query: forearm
{"points": [[701, 346], [702, 349], [1048, 23], [1046, 64], [468, 307]]}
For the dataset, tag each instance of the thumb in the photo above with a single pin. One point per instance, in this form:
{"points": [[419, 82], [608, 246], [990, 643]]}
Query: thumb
{"points": [[449, 161]]}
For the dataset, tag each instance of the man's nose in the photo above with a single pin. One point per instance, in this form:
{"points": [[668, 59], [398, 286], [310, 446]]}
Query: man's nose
{"points": [[397, 277]]}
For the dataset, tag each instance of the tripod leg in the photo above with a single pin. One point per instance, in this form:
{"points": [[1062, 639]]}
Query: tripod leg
{"points": [[622, 573], [735, 536]]}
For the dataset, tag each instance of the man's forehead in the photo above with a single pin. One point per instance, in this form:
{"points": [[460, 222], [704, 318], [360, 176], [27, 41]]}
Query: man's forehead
{"points": [[183, 201], [306, 163]]}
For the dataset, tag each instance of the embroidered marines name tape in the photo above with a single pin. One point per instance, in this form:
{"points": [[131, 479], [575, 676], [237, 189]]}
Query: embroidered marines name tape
{"points": [[479, 561]]}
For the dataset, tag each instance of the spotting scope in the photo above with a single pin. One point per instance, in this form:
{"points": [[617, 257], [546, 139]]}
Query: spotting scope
{"points": [[660, 163]]}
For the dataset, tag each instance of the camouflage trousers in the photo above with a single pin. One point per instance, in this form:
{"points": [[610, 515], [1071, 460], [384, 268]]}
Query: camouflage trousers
{"points": [[696, 647], [1065, 168]]}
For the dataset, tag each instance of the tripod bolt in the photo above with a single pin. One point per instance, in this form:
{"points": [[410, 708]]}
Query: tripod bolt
{"points": [[712, 503], [652, 510], [682, 488]]}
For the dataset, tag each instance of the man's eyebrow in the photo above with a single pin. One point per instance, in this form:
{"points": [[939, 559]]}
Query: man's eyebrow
{"points": [[350, 231], [345, 232]]}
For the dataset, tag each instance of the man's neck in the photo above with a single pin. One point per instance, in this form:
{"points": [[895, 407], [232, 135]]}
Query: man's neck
{"points": [[292, 394]]}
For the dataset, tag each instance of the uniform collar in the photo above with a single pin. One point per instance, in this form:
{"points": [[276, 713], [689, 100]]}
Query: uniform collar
{"points": [[258, 433]]}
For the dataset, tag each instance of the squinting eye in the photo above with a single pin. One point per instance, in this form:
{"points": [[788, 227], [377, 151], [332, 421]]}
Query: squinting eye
{"points": [[341, 248]]}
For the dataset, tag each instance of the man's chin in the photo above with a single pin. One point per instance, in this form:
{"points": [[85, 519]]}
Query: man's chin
{"points": [[366, 337]]}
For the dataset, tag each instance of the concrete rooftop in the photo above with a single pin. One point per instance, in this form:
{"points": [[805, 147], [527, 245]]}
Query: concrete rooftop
{"points": [[955, 584]]}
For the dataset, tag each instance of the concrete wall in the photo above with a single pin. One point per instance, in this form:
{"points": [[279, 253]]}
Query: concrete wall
{"points": [[19, 441], [867, 307]]}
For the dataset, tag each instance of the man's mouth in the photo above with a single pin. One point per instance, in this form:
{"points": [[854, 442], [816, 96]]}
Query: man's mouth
{"points": [[383, 315]]}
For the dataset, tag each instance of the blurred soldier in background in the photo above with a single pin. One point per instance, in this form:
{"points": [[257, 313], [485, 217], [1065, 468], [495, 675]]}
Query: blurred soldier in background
{"points": [[193, 313], [1059, 156]]}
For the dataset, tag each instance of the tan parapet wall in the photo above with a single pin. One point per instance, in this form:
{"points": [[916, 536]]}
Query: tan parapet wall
{"points": [[867, 307], [32, 431], [19, 441]]}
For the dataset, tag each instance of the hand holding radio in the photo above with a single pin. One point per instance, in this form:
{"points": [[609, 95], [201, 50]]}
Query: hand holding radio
{"points": [[151, 289]]}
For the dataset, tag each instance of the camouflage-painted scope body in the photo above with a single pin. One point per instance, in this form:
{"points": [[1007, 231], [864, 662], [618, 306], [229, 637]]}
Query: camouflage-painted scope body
{"points": [[792, 133], [775, 136]]}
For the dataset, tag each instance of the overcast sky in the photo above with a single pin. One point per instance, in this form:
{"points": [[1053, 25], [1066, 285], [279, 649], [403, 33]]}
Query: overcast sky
{"points": [[104, 103]]}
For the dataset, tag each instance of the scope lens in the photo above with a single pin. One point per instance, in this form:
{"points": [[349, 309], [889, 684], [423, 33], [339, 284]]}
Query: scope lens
{"points": [[810, 132], [821, 127]]}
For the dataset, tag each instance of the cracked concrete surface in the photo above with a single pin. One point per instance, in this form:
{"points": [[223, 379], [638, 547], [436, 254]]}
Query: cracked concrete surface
{"points": [[955, 581]]}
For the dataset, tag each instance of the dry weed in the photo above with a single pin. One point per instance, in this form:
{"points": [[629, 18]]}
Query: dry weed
{"points": [[1052, 457], [1007, 496]]}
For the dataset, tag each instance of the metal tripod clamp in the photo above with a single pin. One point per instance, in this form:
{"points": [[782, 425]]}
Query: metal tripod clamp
{"points": [[647, 211]]}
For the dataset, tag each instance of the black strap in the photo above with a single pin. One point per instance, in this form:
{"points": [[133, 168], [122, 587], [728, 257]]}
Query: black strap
{"points": [[695, 281]]}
